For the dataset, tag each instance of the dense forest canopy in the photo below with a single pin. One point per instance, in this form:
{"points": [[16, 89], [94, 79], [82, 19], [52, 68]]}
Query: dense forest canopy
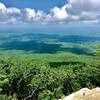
{"points": [[46, 76]]}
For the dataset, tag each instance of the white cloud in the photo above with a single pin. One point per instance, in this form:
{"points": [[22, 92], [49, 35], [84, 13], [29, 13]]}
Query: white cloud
{"points": [[13, 10], [8, 15], [29, 14], [2, 8], [87, 10], [85, 5], [78, 11], [59, 13]]}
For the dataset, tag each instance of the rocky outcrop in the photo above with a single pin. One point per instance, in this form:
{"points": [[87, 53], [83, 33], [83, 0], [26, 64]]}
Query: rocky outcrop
{"points": [[84, 94]]}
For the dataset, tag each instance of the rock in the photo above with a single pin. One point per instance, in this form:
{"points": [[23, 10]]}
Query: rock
{"points": [[84, 94]]}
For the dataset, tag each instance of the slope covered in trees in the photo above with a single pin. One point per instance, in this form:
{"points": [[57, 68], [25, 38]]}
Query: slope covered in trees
{"points": [[46, 76]]}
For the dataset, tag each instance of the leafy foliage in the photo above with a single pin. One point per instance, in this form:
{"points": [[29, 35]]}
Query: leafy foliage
{"points": [[46, 76], [98, 50]]}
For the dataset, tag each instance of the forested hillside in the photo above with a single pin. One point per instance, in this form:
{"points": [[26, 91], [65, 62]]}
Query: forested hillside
{"points": [[25, 76]]}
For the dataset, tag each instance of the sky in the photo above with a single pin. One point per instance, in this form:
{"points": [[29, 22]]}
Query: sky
{"points": [[49, 12], [35, 4]]}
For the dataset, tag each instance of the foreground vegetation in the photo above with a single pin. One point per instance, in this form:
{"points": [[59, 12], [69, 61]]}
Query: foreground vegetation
{"points": [[46, 76]]}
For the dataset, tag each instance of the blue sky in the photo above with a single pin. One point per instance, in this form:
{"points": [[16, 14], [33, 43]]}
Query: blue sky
{"points": [[36, 4], [49, 12]]}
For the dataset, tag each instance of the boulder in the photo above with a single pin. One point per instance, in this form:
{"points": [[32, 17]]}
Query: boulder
{"points": [[84, 94]]}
